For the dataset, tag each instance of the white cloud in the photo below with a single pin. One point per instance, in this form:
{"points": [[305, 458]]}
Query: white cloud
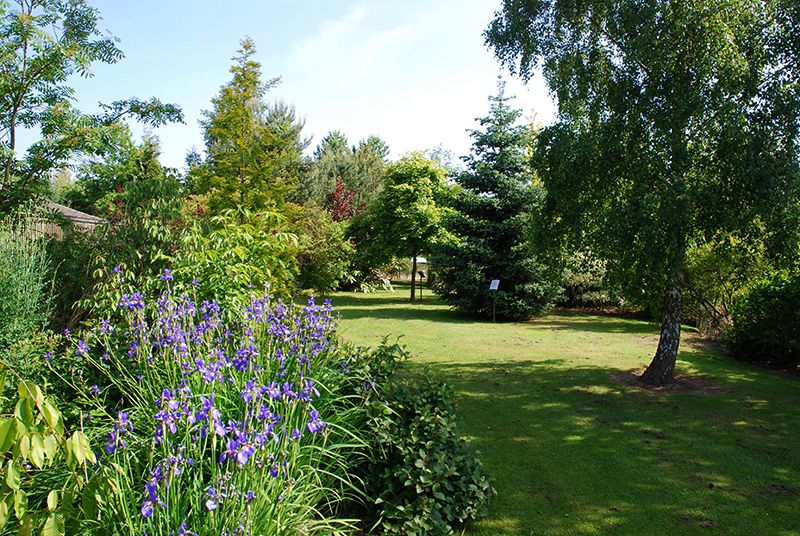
{"points": [[416, 77]]}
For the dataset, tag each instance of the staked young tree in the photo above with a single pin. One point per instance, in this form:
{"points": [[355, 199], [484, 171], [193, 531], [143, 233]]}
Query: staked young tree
{"points": [[676, 120], [253, 149], [42, 44], [493, 212]]}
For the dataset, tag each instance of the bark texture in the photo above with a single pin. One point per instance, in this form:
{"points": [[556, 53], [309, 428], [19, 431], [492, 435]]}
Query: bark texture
{"points": [[662, 369]]}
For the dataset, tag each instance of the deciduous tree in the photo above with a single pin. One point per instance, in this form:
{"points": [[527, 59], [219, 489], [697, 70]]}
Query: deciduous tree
{"points": [[406, 218], [676, 120], [42, 44]]}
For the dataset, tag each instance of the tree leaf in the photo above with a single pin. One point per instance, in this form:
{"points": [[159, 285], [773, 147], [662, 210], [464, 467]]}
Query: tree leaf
{"points": [[53, 417], [81, 448], [8, 434], [20, 504], [24, 446], [52, 500], [24, 413], [26, 527], [37, 450], [12, 475], [51, 446], [29, 390], [54, 526], [5, 509]]}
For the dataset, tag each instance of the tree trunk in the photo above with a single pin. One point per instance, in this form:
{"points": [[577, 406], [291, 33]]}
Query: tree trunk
{"points": [[662, 369], [413, 279]]}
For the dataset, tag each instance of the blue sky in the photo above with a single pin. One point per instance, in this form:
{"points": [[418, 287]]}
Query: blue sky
{"points": [[416, 73]]}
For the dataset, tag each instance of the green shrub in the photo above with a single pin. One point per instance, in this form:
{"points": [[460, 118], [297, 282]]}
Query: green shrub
{"points": [[24, 285], [766, 323], [325, 252], [43, 489], [236, 254], [585, 282], [424, 478], [144, 221], [718, 274]]}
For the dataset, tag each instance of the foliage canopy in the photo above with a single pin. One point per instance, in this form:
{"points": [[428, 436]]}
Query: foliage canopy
{"points": [[675, 121]]}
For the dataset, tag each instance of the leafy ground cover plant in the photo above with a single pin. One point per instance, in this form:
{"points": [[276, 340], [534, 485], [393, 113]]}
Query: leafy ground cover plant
{"points": [[423, 477]]}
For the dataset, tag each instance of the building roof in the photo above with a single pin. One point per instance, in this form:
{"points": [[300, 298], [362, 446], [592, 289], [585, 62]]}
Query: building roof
{"points": [[81, 219]]}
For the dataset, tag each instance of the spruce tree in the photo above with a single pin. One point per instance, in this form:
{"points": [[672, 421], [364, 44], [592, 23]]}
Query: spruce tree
{"points": [[493, 211]]}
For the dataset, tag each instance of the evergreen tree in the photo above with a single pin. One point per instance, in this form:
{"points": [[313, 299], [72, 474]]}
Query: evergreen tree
{"points": [[253, 149], [493, 209], [360, 169]]}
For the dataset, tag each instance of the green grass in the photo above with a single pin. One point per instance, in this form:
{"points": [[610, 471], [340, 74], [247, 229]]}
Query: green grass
{"points": [[573, 452]]}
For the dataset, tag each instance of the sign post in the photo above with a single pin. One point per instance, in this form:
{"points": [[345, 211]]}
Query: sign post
{"points": [[493, 287]]}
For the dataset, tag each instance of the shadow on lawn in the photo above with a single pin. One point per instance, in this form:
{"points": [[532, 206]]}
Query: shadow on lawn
{"points": [[591, 456], [396, 306], [430, 309], [563, 319]]}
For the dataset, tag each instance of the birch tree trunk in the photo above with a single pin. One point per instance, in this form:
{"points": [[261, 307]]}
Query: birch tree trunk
{"points": [[662, 369]]}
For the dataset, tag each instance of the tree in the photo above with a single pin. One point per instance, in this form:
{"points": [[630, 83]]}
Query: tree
{"points": [[406, 218], [253, 149], [42, 44], [493, 211], [341, 203], [324, 252], [369, 163], [359, 168], [676, 120], [142, 203]]}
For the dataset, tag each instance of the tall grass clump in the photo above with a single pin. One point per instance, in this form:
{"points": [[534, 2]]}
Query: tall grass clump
{"points": [[224, 422], [24, 293]]}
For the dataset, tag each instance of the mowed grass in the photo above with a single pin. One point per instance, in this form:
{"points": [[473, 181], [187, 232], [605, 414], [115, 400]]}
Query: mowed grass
{"points": [[572, 451]]}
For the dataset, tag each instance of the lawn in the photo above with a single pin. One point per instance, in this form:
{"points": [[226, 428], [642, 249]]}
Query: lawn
{"points": [[573, 451]]}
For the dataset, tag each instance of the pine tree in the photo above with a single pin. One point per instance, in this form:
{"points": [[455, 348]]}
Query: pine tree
{"points": [[493, 210]]}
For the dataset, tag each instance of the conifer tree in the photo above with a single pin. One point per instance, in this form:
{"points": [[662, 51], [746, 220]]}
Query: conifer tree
{"points": [[253, 150], [493, 210]]}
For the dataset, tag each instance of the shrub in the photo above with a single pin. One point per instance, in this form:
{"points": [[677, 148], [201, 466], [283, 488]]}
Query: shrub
{"points": [[424, 478], [766, 323], [237, 254], [585, 282], [43, 489], [325, 253], [718, 274], [24, 285], [144, 220]]}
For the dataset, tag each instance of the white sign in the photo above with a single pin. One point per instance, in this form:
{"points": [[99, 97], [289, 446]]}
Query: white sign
{"points": [[495, 284]]}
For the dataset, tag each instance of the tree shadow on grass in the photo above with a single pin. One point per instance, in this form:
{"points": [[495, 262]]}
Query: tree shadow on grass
{"points": [[393, 307], [573, 452], [396, 306], [579, 321]]}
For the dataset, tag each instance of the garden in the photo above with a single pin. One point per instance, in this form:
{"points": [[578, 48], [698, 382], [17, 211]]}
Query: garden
{"points": [[586, 327]]}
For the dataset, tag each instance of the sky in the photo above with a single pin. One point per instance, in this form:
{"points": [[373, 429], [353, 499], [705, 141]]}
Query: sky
{"points": [[416, 73]]}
